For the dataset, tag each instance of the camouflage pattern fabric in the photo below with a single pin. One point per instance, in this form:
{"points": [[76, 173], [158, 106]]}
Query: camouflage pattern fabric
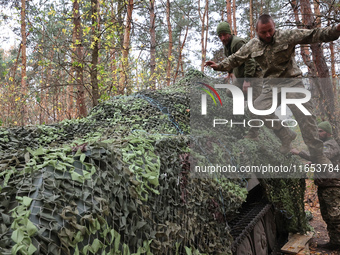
{"points": [[247, 69], [117, 182], [329, 199], [307, 123], [277, 59], [331, 149]]}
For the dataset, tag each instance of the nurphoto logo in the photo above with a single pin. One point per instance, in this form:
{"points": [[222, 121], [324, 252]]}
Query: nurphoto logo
{"points": [[238, 99]]}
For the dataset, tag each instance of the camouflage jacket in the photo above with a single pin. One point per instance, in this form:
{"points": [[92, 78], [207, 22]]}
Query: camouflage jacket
{"points": [[331, 149], [277, 59], [248, 68]]}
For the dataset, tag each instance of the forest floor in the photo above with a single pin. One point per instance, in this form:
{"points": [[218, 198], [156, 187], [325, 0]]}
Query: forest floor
{"points": [[320, 228]]}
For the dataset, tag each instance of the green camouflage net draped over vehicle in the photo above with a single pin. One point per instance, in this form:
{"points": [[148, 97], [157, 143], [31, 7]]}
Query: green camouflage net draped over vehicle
{"points": [[117, 182]]}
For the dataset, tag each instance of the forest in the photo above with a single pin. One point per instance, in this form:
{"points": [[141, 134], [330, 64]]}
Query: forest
{"points": [[70, 55], [95, 135]]}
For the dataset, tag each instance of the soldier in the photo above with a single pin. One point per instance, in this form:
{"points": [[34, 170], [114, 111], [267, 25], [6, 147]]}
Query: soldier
{"points": [[243, 73], [331, 148], [274, 50], [328, 190]]}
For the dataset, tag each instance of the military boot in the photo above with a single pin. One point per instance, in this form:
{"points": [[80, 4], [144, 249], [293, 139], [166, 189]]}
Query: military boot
{"points": [[253, 134], [286, 136]]}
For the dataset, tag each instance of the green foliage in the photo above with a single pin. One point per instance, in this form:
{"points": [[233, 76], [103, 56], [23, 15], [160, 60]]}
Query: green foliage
{"points": [[288, 198], [23, 228]]}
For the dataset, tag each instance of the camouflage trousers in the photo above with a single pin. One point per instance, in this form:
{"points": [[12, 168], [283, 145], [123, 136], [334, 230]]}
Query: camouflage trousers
{"points": [[307, 123], [329, 199]]}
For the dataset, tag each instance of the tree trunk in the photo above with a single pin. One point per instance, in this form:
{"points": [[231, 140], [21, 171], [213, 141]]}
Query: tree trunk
{"points": [[326, 89], [306, 57], [234, 17], [168, 67], [43, 102], [229, 14], [206, 31], [331, 48], [53, 90], [180, 49], [304, 48], [251, 19], [71, 80], [203, 31], [120, 19], [317, 13], [125, 52], [95, 51], [24, 89], [113, 52], [79, 65], [152, 45], [14, 109]]}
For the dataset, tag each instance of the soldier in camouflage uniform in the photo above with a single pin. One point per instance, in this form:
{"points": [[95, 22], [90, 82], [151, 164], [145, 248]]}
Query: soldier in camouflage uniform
{"points": [[328, 189], [274, 50], [331, 148], [244, 73]]}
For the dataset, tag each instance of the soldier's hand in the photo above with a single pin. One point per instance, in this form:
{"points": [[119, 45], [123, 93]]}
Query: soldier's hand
{"points": [[246, 85], [211, 64], [294, 151]]}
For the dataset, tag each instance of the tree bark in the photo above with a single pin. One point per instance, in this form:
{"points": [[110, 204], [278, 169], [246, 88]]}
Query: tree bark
{"points": [[229, 14], [304, 50], [24, 89], [152, 45], [326, 97], [204, 30], [317, 13], [125, 52], [168, 66], [71, 80], [95, 51], [180, 49], [79, 65], [251, 19], [234, 17], [113, 51]]}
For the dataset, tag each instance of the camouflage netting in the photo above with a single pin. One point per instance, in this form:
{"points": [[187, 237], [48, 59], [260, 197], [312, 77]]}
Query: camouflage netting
{"points": [[117, 182]]}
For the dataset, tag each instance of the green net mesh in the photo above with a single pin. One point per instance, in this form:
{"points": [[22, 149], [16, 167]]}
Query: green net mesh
{"points": [[118, 182]]}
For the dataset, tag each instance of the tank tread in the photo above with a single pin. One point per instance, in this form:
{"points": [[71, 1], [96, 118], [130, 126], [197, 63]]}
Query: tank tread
{"points": [[246, 221]]}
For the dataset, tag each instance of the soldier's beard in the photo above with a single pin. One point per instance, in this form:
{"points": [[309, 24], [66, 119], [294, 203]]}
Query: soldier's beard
{"points": [[267, 40], [323, 138]]}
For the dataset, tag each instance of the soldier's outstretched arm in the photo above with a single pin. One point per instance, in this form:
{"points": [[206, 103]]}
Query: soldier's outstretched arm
{"points": [[238, 58], [316, 35], [211, 64]]}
